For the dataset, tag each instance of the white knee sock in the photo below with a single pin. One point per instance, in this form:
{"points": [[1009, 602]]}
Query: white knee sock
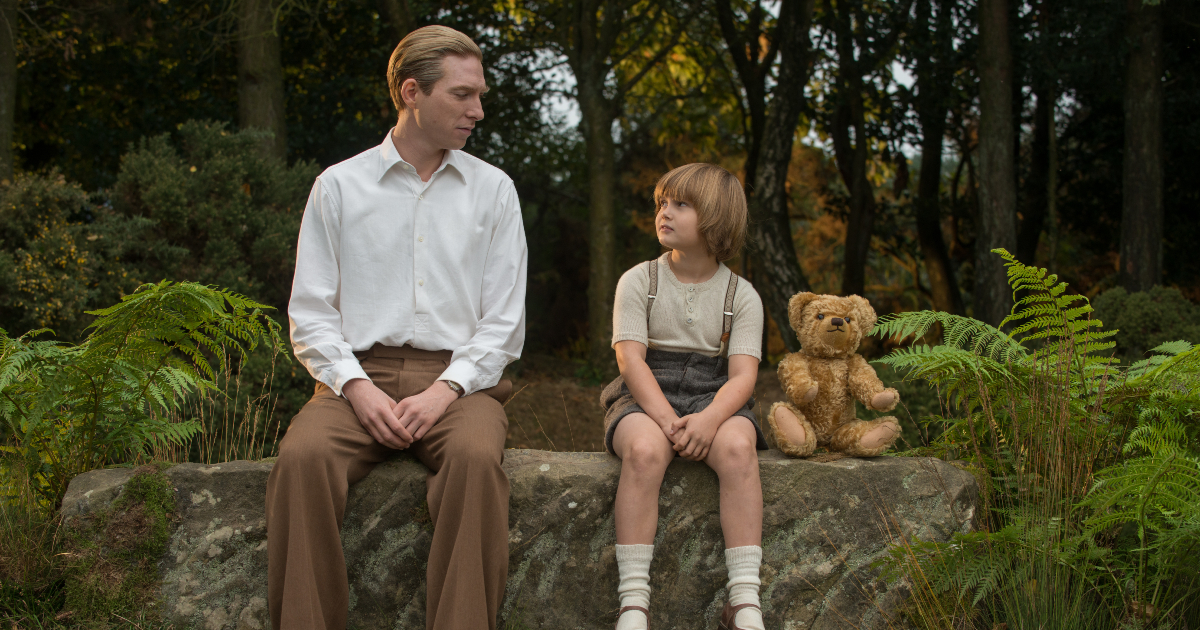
{"points": [[633, 567], [743, 564]]}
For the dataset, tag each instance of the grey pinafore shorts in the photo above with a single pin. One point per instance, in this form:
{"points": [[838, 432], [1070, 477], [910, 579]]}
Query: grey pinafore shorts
{"points": [[688, 380]]}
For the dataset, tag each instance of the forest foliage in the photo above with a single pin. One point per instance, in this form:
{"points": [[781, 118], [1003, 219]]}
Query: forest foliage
{"points": [[136, 192]]}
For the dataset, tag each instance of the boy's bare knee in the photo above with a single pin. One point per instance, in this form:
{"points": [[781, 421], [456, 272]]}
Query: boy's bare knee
{"points": [[645, 455], [736, 451]]}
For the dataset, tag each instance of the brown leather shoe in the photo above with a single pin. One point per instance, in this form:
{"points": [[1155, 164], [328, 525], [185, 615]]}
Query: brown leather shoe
{"points": [[730, 612], [644, 612]]}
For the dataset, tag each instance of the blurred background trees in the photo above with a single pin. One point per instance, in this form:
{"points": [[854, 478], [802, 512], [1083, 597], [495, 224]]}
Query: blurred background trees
{"points": [[885, 146]]}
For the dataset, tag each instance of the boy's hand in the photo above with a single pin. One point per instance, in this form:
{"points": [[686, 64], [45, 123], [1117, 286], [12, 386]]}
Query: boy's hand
{"points": [[693, 435], [667, 425]]}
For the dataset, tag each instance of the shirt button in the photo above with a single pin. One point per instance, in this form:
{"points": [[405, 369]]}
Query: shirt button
{"points": [[420, 196], [689, 309], [692, 298], [422, 283], [421, 239], [691, 288], [689, 320]]}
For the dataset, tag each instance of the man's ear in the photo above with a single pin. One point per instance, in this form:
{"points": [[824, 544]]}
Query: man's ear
{"points": [[865, 314], [408, 92]]}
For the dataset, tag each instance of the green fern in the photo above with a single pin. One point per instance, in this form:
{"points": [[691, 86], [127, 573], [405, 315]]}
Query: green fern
{"points": [[69, 409], [1041, 407]]}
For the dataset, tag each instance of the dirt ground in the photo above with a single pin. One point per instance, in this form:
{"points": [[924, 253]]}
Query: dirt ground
{"points": [[553, 410]]}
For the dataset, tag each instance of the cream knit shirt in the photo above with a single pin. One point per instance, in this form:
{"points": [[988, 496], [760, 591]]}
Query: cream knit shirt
{"points": [[687, 317]]}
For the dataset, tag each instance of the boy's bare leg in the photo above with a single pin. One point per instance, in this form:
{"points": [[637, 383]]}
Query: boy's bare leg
{"points": [[735, 460], [645, 453]]}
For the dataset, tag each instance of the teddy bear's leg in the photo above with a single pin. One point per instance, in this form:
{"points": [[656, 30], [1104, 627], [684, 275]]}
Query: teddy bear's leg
{"points": [[865, 438], [793, 433]]}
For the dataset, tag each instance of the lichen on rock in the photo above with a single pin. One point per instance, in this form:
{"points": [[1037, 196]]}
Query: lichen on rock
{"points": [[825, 525]]}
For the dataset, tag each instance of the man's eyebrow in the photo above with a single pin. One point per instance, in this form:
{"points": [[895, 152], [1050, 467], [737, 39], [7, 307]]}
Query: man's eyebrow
{"points": [[469, 88]]}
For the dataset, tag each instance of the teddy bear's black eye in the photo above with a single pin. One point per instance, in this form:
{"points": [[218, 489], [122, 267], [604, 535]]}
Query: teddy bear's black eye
{"points": [[847, 320], [820, 315]]}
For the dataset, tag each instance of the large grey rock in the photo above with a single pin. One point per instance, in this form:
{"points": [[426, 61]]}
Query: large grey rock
{"points": [[825, 524]]}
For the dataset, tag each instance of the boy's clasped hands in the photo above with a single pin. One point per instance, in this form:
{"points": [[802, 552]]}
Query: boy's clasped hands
{"points": [[692, 434]]}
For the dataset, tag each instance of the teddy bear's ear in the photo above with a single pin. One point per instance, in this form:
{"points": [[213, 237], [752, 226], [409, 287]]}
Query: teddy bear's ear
{"points": [[797, 304], [865, 314]]}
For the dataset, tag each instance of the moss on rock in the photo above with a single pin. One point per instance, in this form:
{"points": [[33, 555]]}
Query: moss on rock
{"points": [[114, 574]]}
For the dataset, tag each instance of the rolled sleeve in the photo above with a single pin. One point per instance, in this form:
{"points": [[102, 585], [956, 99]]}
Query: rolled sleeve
{"points": [[500, 335]]}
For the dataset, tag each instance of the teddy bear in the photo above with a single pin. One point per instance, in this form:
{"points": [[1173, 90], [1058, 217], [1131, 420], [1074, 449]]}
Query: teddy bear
{"points": [[825, 377]]}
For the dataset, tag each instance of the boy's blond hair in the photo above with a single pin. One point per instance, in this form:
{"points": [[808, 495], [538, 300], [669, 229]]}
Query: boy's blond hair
{"points": [[719, 200], [419, 56]]}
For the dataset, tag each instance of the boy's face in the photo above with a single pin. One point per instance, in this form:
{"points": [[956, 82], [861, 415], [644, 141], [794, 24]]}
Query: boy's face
{"points": [[677, 225]]}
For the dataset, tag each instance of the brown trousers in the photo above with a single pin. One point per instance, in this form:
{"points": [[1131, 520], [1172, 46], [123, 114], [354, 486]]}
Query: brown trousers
{"points": [[326, 449]]}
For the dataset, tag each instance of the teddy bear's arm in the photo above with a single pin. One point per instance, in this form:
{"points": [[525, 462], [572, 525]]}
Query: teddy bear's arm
{"points": [[867, 388], [794, 377]]}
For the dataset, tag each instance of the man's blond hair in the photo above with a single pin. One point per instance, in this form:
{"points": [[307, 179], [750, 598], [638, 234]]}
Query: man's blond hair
{"points": [[719, 200], [419, 56]]}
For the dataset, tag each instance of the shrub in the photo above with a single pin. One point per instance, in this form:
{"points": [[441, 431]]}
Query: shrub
{"points": [[69, 409], [1092, 516], [59, 254], [1147, 319], [217, 212]]}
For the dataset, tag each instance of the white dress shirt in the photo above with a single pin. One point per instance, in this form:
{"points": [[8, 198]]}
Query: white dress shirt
{"points": [[384, 257]]}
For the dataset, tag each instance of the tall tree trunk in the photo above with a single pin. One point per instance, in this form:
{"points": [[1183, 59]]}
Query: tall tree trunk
{"points": [[942, 282], [1142, 209], [862, 194], [852, 158], [399, 17], [773, 253], [260, 75], [8, 84], [933, 76], [602, 277], [1033, 207], [996, 225], [1052, 187], [753, 65]]}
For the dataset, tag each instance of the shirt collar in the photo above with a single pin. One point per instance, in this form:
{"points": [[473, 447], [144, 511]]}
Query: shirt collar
{"points": [[389, 157]]}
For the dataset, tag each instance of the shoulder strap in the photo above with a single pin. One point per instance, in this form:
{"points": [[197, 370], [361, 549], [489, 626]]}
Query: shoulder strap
{"points": [[652, 268], [727, 312]]}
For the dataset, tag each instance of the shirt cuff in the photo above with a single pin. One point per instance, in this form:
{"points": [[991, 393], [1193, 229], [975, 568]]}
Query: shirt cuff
{"points": [[341, 373], [465, 374], [629, 337], [754, 352]]}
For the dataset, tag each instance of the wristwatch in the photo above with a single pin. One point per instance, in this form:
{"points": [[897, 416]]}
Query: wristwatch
{"points": [[454, 387]]}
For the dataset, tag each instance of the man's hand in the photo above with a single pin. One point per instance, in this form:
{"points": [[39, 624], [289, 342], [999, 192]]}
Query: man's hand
{"points": [[374, 411], [693, 435], [418, 413]]}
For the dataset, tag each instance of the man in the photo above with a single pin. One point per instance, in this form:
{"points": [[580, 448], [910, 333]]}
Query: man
{"points": [[408, 302]]}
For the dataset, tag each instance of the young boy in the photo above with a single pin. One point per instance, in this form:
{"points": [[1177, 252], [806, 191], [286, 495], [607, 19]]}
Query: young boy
{"points": [[687, 332]]}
